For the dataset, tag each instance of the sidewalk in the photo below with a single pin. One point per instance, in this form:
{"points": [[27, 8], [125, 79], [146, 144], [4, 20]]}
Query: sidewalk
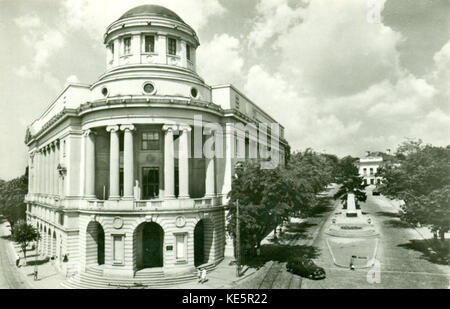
{"points": [[48, 275]]}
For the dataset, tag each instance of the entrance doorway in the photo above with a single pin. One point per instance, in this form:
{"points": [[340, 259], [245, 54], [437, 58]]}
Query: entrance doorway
{"points": [[95, 244], [148, 240], [199, 244]]}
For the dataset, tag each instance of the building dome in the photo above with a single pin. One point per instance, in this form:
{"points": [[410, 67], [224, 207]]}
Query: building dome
{"points": [[151, 10]]}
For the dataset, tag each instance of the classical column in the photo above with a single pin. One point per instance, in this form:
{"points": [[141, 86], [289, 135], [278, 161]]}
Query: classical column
{"points": [[183, 161], [47, 170], [209, 162], [169, 168], [39, 172], [52, 169], [128, 164], [114, 168], [55, 169], [90, 164]]}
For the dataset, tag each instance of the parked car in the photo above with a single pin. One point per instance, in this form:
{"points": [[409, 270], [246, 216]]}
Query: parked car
{"points": [[305, 267]]}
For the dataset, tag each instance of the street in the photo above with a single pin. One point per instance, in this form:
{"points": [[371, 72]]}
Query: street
{"points": [[9, 276], [401, 265]]}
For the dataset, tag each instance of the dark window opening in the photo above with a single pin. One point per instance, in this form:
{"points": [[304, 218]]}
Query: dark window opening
{"points": [[150, 182], [188, 52], [150, 141], [172, 46], [149, 43]]}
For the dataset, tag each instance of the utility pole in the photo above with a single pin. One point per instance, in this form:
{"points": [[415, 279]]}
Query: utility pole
{"points": [[35, 260], [238, 237]]}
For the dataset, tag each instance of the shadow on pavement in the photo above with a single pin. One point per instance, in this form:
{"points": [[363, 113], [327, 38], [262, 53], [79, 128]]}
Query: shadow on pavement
{"points": [[397, 224], [433, 251], [37, 262], [294, 231], [388, 214], [323, 206], [280, 253]]}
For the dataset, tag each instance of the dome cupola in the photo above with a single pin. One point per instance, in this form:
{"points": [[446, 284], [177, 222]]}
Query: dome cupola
{"points": [[151, 34]]}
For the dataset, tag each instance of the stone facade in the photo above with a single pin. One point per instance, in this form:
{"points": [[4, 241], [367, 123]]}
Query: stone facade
{"points": [[114, 182]]}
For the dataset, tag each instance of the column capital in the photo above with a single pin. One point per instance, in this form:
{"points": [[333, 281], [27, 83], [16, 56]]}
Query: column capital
{"points": [[170, 127], [113, 129], [88, 132], [209, 131], [129, 127], [184, 128]]}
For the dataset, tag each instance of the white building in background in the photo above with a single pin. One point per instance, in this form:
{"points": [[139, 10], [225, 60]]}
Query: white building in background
{"points": [[368, 167], [107, 191]]}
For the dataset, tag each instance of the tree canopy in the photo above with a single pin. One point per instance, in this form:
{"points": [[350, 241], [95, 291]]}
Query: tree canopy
{"points": [[422, 180], [23, 233], [12, 194], [268, 197]]}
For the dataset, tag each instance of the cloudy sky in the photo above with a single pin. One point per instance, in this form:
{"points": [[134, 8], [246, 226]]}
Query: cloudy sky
{"points": [[341, 76]]}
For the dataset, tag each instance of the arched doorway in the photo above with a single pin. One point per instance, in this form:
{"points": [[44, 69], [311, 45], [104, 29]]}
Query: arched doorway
{"points": [[49, 243], [54, 244], [203, 237], [199, 244], [148, 240], [95, 244]]}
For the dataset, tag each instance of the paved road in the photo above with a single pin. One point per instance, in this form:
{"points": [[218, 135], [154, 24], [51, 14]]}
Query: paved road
{"points": [[401, 264], [9, 276], [274, 274]]}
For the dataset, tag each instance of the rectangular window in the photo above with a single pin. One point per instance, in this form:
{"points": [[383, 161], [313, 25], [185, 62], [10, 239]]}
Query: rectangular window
{"points": [[149, 44], [236, 102], [180, 246], [127, 46], [150, 140], [111, 46], [150, 182], [61, 219], [371, 171], [121, 182], [188, 52], [172, 46], [118, 249]]}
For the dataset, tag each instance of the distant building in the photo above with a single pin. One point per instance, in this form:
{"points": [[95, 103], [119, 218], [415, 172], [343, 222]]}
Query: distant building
{"points": [[368, 167], [113, 188]]}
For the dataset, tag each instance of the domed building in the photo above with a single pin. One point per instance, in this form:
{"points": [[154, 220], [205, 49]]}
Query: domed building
{"points": [[121, 187]]}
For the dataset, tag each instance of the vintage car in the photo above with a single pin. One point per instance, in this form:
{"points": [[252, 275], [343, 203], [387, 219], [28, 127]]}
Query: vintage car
{"points": [[305, 267]]}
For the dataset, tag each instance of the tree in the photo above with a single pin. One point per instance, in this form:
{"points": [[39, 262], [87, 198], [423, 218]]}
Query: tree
{"points": [[308, 173], [265, 200], [422, 181], [23, 234], [350, 181], [12, 195]]}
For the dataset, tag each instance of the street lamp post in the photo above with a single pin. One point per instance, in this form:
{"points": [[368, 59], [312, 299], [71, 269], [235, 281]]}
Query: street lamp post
{"points": [[238, 237]]}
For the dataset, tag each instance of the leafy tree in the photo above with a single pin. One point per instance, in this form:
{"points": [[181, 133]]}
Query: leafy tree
{"points": [[23, 234], [12, 194], [422, 180], [347, 175], [308, 173], [265, 200]]}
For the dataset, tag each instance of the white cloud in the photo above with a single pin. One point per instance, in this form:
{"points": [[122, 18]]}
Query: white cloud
{"points": [[72, 79], [28, 21], [274, 17], [336, 51], [219, 61], [339, 85], [45, 42], [95, 16]]}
